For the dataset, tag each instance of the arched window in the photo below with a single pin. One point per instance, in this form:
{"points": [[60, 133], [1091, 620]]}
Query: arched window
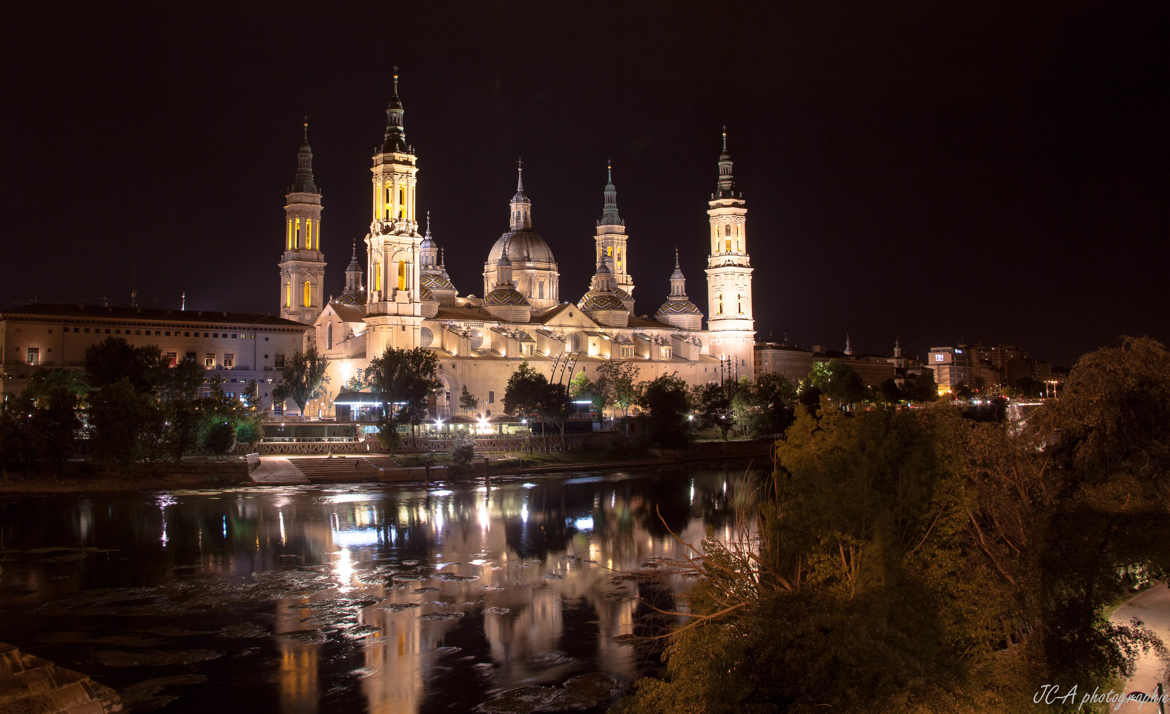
{"points": [[720, 304], [308, 294], [288, 237], [329, 336], [309, 233], [297, 234], [387, 204], [402, 275], [288, 294]]}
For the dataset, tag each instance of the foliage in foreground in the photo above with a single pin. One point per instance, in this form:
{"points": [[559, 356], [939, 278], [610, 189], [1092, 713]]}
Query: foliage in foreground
{"points": [[910, 562]]}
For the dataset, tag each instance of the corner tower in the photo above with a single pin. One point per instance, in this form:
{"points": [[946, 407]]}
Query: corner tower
{"points": [[729, 274], [394, 293], [302, 264], [611, 237]]}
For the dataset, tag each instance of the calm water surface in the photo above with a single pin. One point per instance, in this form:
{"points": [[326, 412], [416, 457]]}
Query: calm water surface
{"points": [[367, 598]]}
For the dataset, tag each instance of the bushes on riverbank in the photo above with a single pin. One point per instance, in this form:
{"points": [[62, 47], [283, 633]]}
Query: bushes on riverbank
{"points": [[919, 561]]}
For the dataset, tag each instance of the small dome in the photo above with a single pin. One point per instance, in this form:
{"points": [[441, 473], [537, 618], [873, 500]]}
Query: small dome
{"points": [[505, 295], [679, 307], [350, 299], [523, 246], [436, 281], [425, 294], [600, 301]]}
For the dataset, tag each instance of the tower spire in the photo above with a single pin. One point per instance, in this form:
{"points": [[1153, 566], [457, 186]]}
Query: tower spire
{"points": [[395, 139], [609, 209], [428, 231], [521, 211], [725, 185], [305, 182]]}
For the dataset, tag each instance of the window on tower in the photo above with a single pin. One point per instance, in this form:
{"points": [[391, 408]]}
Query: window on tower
{"points": [[402, 275], [297, 233], [727, 229], [609, 251], [288, 238], [402, 202], [739, 304], [288, 294], [720, 311], [308, 294], [309, 233]]}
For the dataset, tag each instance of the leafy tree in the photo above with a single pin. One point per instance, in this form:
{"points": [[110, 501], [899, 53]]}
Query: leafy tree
{"points": [[889, 392], [302, 377], [219, 438], [526, 392], [775, 397], [713, 406], [1027, 387], [406, 379], [18, 443], [665, 401], [123, 420], [838, 382], [56, 399], [920, 387], [468, 401], [113, 360], [620, 379]]}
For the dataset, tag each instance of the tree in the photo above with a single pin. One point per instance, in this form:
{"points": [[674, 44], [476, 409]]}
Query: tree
{"points": [[123, 421], [774, 398], [56, 399], [713, 405], [665, 400], [303, 375], [618, 381], [113, 360], [468, 401], [838, 382], [526, 392], [405, 379]]}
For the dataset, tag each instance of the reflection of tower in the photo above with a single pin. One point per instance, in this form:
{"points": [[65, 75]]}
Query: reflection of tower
{"points": [[396, 663], [298, 661], [394, 302], [302, 265], [729, 273]]}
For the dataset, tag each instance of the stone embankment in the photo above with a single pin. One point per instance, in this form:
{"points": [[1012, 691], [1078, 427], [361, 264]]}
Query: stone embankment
{"points": [[37, 686]]}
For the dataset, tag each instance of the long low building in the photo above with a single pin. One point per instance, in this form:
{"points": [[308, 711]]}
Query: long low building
{"points": [[239, 348]]}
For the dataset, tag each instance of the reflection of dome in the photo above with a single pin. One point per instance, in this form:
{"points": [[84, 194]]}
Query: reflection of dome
{"points": [[523, 246], [600, 301], [505, 295], [679, 307]]}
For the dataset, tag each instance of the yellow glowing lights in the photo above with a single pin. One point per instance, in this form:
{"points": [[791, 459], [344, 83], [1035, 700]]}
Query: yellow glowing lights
{"points": [[309, 233], [288, 294], [308, 294], [377, 276], [288, 238], [402, 275], [297, 233]]}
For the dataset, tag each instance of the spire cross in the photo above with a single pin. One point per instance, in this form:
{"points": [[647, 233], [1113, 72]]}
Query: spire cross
{"points": [[396, 80], [519, 174], [428, 221], [676, 257], [306, 128], [354, 254], [725, 137], [609, 170]]}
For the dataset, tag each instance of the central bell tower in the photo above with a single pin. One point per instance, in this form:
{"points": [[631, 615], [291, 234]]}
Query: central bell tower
{"points": [[394, 294]]}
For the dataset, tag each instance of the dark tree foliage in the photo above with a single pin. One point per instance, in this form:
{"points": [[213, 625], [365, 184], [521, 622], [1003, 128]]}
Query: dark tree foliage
{"points": [[666, 402], [405, 380], [713, 405], [302, 377], [838, 382], [919, 561], [113, 360]]}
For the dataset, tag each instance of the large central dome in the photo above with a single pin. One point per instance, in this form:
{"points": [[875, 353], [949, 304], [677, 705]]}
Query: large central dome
{"points": [[523, 247]]}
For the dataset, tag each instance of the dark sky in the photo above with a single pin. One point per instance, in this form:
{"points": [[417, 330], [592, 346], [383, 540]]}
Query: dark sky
{"points": [[938, 171]]}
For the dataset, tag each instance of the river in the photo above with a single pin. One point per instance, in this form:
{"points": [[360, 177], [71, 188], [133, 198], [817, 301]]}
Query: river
{"points": [[363, 597]]}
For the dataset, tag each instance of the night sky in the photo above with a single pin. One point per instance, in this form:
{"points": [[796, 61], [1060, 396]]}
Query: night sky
{"points": [[937, 171]]}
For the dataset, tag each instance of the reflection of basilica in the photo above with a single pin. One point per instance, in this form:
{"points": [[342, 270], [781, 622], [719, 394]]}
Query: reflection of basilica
{"points": [[516, 568]]}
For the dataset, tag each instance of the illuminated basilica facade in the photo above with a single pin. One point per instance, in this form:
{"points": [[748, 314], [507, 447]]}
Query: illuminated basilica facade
{"points": [[403, 296]]}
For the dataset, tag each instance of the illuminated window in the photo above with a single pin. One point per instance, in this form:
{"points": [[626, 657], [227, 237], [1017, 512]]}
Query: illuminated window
{"points": [[377, 276], [288, 294], [209, 360], [229, 360], [297, 234], [288, 238], [33, 355], [402, 202], [386, 204], [727, 245], [308, 294], [171, 359], [402, 275], [309, 233], [609, 251]]}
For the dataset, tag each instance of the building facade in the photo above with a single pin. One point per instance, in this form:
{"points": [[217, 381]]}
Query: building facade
{"points": [[237, 349], [409, 300]]}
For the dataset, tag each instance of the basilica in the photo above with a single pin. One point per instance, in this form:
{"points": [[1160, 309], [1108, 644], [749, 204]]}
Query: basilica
{"points": [[404, 297]]}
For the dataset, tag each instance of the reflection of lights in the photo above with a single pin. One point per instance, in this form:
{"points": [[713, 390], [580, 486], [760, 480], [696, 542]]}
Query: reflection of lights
{"points": [[163, 501], [528, 485], [393, 535], [442, 492], [524, 512], [692, 492], [482, 515], [283, 540], [584, 524], [349, 498], [356, 538], [224, 527], [612, 498], [343, 569]]}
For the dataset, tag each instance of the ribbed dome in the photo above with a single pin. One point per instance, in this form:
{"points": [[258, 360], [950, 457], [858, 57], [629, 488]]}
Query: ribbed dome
{"points": [[523, 246], [505, 295]]}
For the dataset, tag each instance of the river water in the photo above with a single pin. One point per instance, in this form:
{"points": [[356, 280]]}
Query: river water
{"points": [[374, 598]]}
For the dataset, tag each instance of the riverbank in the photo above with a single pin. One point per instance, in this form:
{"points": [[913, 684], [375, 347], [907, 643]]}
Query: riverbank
{"points": [[380, 468]]}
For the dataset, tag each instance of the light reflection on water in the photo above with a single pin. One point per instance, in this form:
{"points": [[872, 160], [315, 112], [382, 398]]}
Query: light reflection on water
{"points": [[398, 600]]}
